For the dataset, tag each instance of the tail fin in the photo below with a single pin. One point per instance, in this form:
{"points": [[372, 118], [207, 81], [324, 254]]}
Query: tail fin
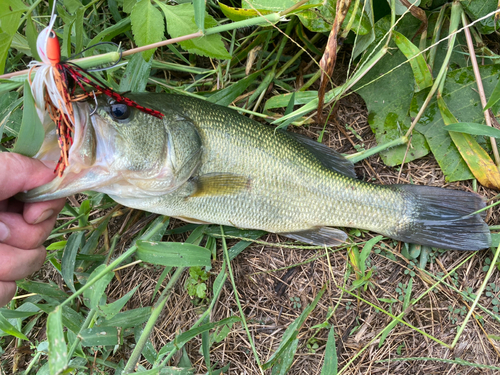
{"points": [[442, 218]]}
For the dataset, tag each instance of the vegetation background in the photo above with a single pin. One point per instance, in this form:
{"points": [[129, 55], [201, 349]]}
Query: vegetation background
{"points": [[402, 100]]}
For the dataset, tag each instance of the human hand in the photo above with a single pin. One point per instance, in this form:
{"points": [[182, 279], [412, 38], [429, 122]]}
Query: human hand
{"points": [[23, 226]]}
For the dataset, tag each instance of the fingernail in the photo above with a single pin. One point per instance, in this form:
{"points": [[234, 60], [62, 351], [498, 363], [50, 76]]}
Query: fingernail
{"points": [[44, 216], [4, 231]]}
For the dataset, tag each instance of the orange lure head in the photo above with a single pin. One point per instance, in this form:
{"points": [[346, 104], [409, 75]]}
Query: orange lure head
{"points": [[53, 48]]}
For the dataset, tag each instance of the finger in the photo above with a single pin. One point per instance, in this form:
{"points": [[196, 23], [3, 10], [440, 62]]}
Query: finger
{"points": [[7, 291], [20, 173], [21, 234], [35, 213], [16, 263]]}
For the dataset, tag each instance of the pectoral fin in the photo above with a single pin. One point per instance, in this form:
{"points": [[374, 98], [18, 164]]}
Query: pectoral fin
{"points": [[320, 236], [220, 184]]}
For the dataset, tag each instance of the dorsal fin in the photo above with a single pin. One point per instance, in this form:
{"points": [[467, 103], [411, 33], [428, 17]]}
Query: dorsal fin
{"points": [[329, 158]]}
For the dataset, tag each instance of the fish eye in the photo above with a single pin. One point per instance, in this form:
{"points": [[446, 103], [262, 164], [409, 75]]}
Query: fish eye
{"points": [[119, 111]]}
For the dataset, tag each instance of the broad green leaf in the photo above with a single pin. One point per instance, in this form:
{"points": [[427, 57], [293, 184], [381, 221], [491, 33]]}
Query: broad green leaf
{"points": [[240, 14], [473, 128], [147, 25], [99, 336], [10, 15], [128, 5], [43, 289], [136, 74], [180, 21], [70, 318], [494, 97], [175, 254], [31, 134], [109, 310], [321, 18], [388, 97], [58, 356], [292, 331], [72, 5], [462, 100], [423, 77], [480, 8], [478, 160], [69, 258], [330, 363], [226, 96], [129, 318], [96, 291], [5, 41], [9, 329], [444, 150]]}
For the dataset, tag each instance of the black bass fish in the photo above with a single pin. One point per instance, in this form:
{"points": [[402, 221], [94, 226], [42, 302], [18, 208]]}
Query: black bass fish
{"points": [[204, 163]]}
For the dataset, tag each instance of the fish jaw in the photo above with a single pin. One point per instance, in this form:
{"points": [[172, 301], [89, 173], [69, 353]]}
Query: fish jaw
{"points": [[89, 159]]}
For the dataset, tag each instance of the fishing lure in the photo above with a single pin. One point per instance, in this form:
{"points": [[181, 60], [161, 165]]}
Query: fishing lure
{"points": [[54, 88]]}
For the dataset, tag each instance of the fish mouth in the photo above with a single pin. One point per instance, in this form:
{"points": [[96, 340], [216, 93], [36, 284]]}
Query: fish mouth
{"points": [[88, 158]]}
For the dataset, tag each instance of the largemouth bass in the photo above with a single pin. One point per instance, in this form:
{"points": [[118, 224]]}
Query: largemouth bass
{"points": [[205, 163]]}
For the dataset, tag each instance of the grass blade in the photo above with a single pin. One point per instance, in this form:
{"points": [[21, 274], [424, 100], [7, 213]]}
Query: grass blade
{"points": [[31, 133], [199, 14], [69, 258], [58, 356], [9, 329], [292, 331], [174, 254], [473, 128], [331, 362], [95, 293]]}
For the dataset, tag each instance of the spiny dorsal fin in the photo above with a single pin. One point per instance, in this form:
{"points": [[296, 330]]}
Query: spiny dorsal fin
{"points": [[329, 158], [320, 236], [220, 184]]}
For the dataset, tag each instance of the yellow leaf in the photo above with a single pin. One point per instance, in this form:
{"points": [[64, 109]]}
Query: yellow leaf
{"points": [[478, 160]]}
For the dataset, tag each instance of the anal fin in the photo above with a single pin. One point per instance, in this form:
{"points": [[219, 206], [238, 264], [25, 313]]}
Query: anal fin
{"points": [[319, 236], [214, 184]]}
